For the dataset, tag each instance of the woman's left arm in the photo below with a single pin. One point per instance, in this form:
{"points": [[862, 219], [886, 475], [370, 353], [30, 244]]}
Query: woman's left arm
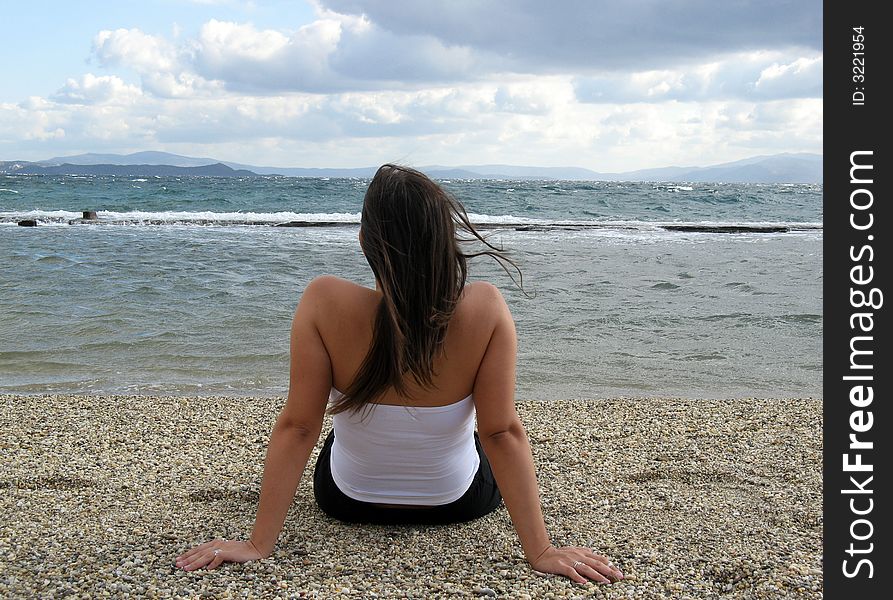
{"points": [[292, 440]]}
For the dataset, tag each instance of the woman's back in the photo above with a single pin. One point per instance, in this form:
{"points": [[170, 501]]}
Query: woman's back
{"points": [[348, 312], [414, 450]]}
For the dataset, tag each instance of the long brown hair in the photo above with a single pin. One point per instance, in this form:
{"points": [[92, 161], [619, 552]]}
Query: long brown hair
{"points": [[408, 234]]}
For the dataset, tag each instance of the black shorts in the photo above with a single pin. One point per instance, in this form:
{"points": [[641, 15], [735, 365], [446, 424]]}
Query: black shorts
{"points": [[481, 497]]}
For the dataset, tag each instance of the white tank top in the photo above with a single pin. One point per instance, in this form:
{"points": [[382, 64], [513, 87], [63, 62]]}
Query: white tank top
{"points": [[405, 454]]}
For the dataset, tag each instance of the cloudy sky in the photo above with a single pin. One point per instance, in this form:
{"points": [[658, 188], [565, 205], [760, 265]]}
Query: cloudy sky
{"points": [[608, 85]]}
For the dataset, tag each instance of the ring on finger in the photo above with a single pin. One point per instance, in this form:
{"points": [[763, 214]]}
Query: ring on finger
{"points": [[216, 552], [576, 564]]}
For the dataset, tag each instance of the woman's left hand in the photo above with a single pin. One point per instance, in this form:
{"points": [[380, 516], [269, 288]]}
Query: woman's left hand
{"points": [[212, 554], [578, 564]]}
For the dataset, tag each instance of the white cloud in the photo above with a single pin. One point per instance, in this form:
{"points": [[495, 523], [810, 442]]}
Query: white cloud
{"points": [[218, 40], [181, 85], [802, 77], [533, 96], [164, 67], [32, 120], [752, 75], [783, 117], [132, 48], [91, 89], [243, 57], [444, 125]]}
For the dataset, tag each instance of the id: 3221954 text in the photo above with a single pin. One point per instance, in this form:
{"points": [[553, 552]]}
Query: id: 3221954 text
{"points": [[858, 66]]}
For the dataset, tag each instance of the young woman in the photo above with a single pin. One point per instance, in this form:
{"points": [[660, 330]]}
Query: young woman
{"points": [[405, 369]]}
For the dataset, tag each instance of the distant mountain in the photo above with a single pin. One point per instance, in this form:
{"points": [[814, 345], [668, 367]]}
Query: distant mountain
{"points": [[137, 158], [778, 168], [215, 170], [178, 160], [522, 172], [362, 172]]}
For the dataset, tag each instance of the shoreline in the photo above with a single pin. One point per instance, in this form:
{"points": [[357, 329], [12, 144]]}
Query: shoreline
{"points": [[691, 498], [279, 396]]}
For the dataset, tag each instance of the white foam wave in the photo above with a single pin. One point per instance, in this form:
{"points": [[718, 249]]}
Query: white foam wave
{"points": [[227, 218], [279, 218], [40, 215], [183, 217]]}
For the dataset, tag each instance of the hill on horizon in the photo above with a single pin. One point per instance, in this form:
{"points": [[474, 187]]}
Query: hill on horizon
{"points": [[777, 168]]}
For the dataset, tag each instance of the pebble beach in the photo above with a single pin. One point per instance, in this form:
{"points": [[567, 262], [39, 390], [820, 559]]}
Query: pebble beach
{"points": [[690, 498]]}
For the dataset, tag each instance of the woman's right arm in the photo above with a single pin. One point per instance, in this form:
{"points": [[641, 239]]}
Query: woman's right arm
{"points": [[299, 424], [505, 443], [293, 437]]}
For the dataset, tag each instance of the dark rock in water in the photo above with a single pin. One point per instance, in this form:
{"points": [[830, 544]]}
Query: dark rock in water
{"points": [[89, 216], [544, 227], [313, 224], [729, 228], [28, 223]]}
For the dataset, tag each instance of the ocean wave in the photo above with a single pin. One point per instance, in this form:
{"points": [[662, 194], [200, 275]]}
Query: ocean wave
{"points": [[105, 217], [292, 219]]}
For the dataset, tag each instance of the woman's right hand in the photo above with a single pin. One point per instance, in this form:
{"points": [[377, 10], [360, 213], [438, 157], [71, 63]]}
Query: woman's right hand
{"points": [[211, 555], [577, 563]]}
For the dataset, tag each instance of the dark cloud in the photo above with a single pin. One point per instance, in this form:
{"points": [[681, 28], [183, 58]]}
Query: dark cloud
{"points": [[600, 34], [375, 54]]}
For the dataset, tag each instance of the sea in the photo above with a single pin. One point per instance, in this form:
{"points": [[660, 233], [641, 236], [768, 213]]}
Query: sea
{"points": [[187, 285]]}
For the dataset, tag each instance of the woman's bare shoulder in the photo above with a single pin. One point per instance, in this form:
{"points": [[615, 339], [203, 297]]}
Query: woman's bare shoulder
{"points": [[332, 286], [483, 301], [336, 297], [483, 291]]}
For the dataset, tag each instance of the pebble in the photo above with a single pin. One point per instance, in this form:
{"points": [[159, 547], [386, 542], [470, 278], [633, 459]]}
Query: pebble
{"points": [[690, 498]]}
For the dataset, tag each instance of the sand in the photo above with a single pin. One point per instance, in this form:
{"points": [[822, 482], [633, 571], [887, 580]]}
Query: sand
{"points": [[691, 498]]}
